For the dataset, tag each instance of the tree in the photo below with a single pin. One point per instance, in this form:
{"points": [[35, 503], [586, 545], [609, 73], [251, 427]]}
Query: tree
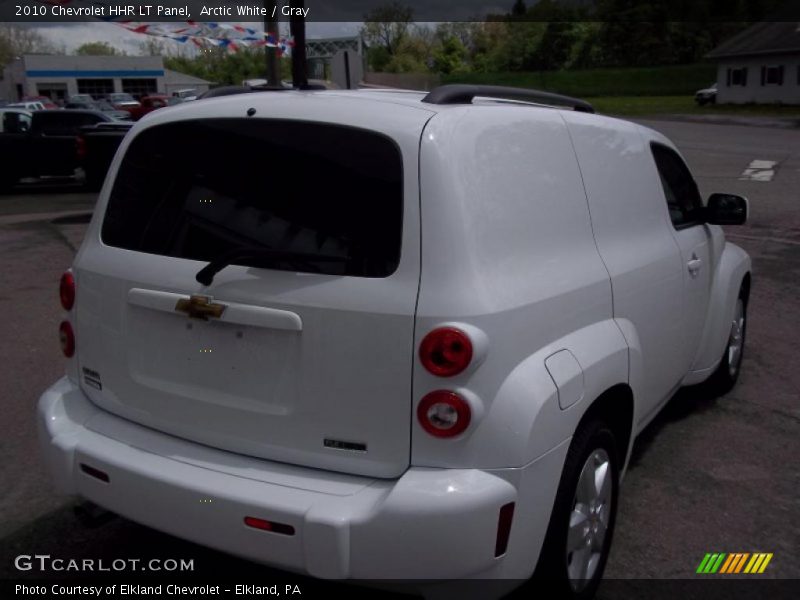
{"points": [[450, 57], [96, 49], [152, 46], [16, 41], [387, 26]]}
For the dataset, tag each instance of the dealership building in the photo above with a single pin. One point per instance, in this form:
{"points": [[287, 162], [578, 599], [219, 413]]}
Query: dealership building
{"points": [[59, 77]]}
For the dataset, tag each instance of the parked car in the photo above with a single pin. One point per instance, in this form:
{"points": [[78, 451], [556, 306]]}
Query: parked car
{"points": [[81, 98], [425, 353], [46, 101], [14, 120], [47, 148], [27, 105], [101, 105], [122, 101], [186, 95], [97, 145], [150, 103], [706, 95]]}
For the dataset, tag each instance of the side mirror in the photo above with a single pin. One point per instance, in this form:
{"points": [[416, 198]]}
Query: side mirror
{"points": [[726, 209]]}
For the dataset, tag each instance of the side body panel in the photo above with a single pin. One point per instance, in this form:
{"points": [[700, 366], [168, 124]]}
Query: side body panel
{"points": [[508, 250], [632, 229]]}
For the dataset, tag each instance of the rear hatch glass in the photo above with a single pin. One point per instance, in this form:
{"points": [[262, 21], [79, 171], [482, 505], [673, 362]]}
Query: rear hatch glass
{"points": [[199, 189]]}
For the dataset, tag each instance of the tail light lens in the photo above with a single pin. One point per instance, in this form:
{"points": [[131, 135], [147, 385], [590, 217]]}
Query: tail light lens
{"points": [[66, 290], [444, 414], [80, 147], [446, 351], [67, 338]]}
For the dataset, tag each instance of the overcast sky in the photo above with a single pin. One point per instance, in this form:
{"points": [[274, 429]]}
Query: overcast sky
{"points": [[74, 34]]}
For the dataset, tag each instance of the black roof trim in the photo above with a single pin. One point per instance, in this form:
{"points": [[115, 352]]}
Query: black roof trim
{"points": [[464, 94]]}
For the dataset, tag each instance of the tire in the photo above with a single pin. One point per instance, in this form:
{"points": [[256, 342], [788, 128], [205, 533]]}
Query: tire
{"points": [[727, 373], [573, 558]]}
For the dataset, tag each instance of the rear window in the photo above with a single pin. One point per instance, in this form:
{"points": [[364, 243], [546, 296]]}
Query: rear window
{"points": [[199, 189]]}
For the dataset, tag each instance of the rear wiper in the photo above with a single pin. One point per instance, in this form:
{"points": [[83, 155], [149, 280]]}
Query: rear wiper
{"points": [[206, 274]]}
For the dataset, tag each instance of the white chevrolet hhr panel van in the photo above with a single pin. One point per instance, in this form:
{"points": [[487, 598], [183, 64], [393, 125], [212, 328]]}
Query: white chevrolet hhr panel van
{"points": [[392, 335]]}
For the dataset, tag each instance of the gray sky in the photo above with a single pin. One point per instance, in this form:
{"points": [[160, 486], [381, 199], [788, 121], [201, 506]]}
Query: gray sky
{"points": [[73, 35]]}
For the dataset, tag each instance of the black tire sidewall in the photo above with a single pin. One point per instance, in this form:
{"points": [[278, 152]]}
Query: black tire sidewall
{"points": [[552, 565]]}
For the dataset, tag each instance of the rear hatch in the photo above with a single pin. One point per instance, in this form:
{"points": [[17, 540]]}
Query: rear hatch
{"points": [[300, 349]]}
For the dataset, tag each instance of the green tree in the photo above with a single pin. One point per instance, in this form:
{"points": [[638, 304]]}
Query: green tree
{"points": [[97, 49], [16, 41], [387, 27], [450, 57]]}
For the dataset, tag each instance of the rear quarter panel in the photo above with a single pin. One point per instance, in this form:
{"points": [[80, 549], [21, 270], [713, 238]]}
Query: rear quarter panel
{"points": [[508, 249]]}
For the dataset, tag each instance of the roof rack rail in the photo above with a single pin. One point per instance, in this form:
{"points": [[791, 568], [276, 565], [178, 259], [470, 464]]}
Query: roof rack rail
{"points": [[464, 94]]}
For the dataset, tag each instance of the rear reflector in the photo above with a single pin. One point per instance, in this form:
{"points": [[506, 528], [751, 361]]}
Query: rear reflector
{"points": [[504, 528], [96, 473], [265, 525], [444, 414], [67, 339]]}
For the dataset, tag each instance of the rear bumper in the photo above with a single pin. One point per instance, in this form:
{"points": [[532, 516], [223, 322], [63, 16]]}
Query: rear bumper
{"points": [[428, 524]]}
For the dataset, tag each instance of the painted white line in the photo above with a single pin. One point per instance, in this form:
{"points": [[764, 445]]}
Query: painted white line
{"points": [[759, 170], [763, 164]]}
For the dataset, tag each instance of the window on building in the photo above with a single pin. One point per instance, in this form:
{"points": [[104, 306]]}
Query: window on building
{"points": [[772, 75], [54, 91], [139, 87], [97, 88], [737, 76]]}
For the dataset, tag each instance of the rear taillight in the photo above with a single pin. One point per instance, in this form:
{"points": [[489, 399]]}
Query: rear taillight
{"points": [[67, 338], [446, 351], [444, 414], [66, 290], [80, 147]]}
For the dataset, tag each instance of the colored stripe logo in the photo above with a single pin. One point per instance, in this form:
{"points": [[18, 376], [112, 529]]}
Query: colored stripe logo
{"points": [[733, 563]]}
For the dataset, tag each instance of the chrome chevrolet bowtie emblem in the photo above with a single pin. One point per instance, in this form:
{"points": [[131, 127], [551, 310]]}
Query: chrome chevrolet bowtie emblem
{"points": [[200, 307]]}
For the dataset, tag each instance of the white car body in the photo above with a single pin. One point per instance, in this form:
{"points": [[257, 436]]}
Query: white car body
{"points": [[27, 105], [543, 234]]}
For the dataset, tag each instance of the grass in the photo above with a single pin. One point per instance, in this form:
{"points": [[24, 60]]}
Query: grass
{"points": [[675, 80], [631, 91], [655, 105]]}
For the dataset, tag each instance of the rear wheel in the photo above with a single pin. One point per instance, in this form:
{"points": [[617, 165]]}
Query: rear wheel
{"points": [[727, 373], [578, 538]]}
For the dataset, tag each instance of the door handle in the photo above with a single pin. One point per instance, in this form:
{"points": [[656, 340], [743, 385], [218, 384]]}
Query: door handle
{"points": [[694, 265]]}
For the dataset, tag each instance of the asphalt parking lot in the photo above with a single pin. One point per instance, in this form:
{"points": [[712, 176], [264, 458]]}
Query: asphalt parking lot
{"points": [[709, 475]]}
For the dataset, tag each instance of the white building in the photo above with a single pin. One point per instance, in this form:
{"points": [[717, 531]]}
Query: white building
{"points": [[62, 76], [761, 64]]}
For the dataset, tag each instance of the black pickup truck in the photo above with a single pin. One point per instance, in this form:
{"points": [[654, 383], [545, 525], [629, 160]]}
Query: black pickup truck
{"points": [[97, 145], [45, 148]]}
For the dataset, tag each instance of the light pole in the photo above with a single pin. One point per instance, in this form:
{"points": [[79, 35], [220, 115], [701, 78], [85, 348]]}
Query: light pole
{"points": [[273, 60]]}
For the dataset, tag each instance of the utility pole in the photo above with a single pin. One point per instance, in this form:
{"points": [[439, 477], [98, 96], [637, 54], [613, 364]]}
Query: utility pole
{"points": [[297, 25], [273, 60]]}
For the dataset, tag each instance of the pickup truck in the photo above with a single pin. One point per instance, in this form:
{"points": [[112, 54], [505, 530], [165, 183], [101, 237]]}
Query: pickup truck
{"points": [[47, 148], [96, 146], [150, 103]]}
